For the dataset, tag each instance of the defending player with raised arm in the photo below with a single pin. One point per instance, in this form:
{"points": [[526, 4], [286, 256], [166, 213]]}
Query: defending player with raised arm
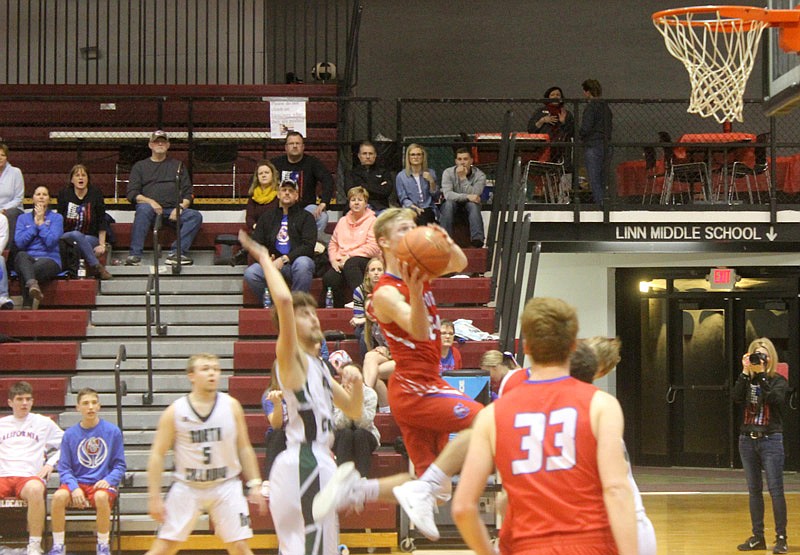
{"points": [[207, 433], [426, 408], [556, 443], [307, 464]]}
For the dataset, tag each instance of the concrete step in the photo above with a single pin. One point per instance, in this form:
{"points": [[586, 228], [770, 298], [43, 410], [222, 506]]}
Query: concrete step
{"points": [[159, 364], [183, 301], [183, 316], [136, 418], [140, 331], [162, 348], [109, 400], [184, 284]]}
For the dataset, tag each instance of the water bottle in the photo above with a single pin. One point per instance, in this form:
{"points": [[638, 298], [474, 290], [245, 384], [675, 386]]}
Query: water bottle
{"points": [[329, 298], [267, 298], [82, 268]]}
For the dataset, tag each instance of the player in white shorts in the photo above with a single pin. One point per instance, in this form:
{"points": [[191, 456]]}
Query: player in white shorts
{"points": [[307, 463], [207, 433]]}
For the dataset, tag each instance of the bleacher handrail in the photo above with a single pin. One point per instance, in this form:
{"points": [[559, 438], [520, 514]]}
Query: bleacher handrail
{"points": [[153, 310]]}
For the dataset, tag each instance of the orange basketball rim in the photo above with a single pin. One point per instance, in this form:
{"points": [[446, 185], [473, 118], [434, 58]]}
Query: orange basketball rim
{"points": [[718, 45]]}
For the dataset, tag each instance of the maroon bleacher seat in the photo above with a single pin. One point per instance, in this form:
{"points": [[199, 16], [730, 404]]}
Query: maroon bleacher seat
{"points": [[375, 516], [260, 354], [448, 291], [64, 292], [47, 392], [44, 323], [38, 356], [248, 389], [257, 322]]}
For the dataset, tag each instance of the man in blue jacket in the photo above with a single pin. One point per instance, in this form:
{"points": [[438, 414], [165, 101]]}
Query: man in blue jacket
{"points": [[91, 466]]}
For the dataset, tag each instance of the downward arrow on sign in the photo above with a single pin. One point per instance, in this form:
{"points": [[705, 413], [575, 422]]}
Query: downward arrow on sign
{"points": [[771, 235]]}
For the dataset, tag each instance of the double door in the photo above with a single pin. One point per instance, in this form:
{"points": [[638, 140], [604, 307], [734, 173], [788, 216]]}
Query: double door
{"points": [[689, 356]]}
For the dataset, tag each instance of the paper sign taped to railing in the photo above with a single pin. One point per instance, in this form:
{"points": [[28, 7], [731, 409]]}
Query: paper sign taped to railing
{"points": [[286, 114]]}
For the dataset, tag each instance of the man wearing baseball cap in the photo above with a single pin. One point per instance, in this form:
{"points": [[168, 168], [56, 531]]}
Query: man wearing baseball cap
{"points": [[290, 234], [152, 190]]}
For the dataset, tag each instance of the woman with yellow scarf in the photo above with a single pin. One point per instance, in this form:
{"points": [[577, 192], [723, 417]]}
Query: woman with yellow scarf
{"points": [[263, 192]]}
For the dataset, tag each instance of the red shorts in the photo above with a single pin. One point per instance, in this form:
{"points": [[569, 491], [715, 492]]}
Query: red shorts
{"points": [[427, 420], [89, 491], [11, 486]]}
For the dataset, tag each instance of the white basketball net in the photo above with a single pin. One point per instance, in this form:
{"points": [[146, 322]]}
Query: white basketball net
{"points": [[719, 56]]}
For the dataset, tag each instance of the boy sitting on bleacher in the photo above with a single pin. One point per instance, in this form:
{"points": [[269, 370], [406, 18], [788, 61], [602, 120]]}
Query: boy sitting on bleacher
{"points": [[25, 439], [91, 466]]}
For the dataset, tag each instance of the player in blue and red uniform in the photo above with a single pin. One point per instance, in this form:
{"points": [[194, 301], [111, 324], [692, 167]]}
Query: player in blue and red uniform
{"points": [[557, 444], [426, 408]]}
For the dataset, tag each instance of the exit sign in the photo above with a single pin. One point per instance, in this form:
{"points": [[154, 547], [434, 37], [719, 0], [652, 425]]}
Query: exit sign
{"points": [[722, 278]]}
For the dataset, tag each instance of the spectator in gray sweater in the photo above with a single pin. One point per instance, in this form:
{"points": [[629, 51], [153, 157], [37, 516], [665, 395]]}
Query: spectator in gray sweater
{"points": [[462, 186], [152, 190]]}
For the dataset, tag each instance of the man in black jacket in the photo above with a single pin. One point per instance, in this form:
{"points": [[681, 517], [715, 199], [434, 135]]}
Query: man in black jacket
{"points": [[289, 233], [378, 182], [308, 172]]}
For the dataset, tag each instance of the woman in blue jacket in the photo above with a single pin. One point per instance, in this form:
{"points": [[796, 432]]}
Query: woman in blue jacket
{"points": [[38, 260], [416, 185]]}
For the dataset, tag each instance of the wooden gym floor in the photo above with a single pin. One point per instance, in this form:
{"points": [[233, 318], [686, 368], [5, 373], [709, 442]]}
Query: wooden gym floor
{"points": [[702, 511]]}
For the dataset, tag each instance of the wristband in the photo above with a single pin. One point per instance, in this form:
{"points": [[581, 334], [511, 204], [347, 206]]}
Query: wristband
{"points": [[254, 483]]}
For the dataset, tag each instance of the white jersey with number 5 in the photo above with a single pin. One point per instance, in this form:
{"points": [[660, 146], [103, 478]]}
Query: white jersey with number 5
{"points": [[205, 448]]}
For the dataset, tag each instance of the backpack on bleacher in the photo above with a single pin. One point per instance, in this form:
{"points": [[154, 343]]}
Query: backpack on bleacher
{"points": [[70, 256]]}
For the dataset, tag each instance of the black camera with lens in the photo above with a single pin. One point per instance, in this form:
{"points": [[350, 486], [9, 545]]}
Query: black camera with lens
{"points": [[758, 359]]}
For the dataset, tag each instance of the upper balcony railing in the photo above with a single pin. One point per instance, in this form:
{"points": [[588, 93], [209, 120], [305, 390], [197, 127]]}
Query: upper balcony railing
{"points": [[655, 149]]}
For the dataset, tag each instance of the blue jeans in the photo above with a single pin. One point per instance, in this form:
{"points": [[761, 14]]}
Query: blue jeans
{"points": [[145, 217], [3, 278], [764, 454], [86, 244], [447, 214], [595, 158], [322, 221], [298, 275]]}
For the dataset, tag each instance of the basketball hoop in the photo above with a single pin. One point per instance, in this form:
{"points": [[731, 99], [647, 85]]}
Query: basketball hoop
{"points": [[718, 46]]}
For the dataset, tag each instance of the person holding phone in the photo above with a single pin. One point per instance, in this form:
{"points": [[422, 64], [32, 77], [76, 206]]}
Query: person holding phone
{"points": [[762, 392]]}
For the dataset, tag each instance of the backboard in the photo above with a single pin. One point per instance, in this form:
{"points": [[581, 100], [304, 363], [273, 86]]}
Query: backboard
{"points": [[782, 70]]}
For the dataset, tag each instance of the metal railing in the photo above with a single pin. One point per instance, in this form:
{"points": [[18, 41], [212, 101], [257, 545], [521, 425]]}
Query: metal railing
{"points": [[152, 296], [121, 390]]}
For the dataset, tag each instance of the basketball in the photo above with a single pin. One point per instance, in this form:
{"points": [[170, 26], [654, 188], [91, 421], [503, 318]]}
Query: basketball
{"points": [[426, 248]]}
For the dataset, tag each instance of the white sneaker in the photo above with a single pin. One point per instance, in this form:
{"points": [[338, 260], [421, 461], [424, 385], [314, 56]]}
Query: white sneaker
{"points": [[418, 501], [342, 491], [34, 549]]}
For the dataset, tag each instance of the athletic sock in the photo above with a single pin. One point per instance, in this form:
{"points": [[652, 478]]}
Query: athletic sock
{"points": [[58, 538], [103, 538], [434, 475]]}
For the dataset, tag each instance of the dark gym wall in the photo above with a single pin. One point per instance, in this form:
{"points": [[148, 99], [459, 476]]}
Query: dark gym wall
{"points": [[518, 48]]}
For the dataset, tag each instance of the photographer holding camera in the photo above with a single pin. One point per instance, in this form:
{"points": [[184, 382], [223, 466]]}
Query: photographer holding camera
{"points": [[762, 392]]}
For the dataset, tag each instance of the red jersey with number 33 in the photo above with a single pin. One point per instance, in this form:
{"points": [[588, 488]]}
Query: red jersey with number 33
{"points": [[417, 361], [547, 457]]}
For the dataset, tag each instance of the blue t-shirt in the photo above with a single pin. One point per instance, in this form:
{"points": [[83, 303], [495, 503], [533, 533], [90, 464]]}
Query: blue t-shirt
{"points": [[448, 363], [282, 244]]}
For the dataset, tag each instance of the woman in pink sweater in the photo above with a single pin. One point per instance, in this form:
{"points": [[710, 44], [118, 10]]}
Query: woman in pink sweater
{"points": [[352, 245]]}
